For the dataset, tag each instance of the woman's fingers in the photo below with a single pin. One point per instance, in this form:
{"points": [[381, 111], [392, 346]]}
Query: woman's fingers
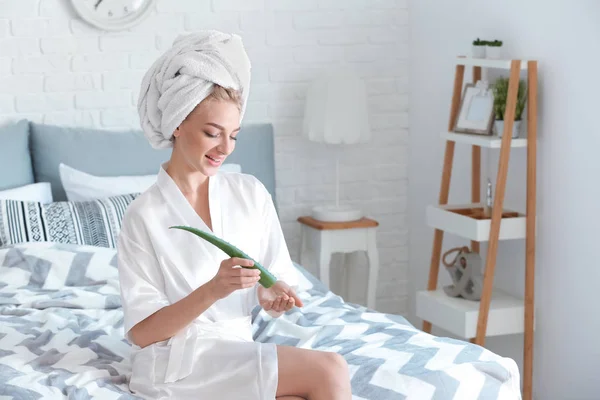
{"points": [[242, 278], [244, 281], [244, 272], [242, 262], [290, 303], [239, 273], [277, 304], [285, 304], [297, 299], [267, 305]]}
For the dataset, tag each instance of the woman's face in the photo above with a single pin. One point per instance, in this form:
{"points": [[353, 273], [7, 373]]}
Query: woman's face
{"points": [[207, 136]]}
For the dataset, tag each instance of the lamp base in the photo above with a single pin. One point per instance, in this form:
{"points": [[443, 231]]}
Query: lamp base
{"points": [[336, 214]]}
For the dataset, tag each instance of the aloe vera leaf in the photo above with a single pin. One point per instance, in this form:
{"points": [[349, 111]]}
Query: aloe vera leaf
{"points": [[266, 278]]}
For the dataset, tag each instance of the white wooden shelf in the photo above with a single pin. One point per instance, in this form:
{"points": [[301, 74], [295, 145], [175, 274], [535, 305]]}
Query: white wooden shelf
{"points": [[459, 316], [492, 142], [487, 63], [445, 218]]}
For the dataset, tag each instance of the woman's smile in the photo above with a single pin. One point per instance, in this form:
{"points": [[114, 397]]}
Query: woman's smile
{"points": [[214, 161]]}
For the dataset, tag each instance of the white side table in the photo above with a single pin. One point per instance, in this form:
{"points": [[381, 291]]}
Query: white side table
{"points": [[326, 238]]}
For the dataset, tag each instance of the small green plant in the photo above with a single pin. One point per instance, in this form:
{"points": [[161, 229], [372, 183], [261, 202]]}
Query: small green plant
{"points": [[479, 42], [495, 43], [500, 90]]}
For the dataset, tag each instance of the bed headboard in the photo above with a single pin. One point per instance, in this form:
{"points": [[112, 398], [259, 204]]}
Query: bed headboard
{"points": [[110, 153]]}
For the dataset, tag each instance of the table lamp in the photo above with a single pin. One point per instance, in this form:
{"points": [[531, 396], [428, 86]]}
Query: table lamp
{"points": [[336, 113]]}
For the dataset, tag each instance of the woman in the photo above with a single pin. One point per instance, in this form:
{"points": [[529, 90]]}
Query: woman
{"points": [[187, 305]]}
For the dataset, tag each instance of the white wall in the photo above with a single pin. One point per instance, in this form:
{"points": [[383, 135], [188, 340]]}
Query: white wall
{"points": [[56, 69], [563, 37]]}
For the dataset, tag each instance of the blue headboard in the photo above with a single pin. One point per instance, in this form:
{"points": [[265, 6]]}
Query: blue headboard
{"points": [[255, 152], [110, 153]]}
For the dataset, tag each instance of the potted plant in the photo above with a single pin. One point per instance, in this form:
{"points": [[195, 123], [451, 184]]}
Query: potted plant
{"points": [[500, 90], [478, 48], [494, 49]]}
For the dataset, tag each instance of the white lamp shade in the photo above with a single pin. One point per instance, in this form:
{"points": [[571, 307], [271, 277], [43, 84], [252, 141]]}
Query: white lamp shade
{"points": [[336, 109]]}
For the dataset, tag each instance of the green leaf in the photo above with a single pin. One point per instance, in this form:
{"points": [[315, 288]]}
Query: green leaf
{"points": [[500, 90], [266, 278]]}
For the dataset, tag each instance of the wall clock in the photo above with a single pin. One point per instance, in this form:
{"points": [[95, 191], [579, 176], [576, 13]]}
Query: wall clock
{"points": [[113, 15]]}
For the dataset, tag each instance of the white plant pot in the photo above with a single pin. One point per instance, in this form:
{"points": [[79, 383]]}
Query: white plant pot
{"points": [[499, 126], [478, 51], [493, 52]]}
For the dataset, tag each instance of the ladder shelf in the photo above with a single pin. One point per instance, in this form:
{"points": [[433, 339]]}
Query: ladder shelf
{"points": [[497, 312]]}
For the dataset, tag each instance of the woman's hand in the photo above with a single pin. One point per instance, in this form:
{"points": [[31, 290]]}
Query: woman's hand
{"points": [[278, 298], [229, 279]]}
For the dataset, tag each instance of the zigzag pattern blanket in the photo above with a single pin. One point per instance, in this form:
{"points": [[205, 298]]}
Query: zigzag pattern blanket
{"points": [[61, 336]]}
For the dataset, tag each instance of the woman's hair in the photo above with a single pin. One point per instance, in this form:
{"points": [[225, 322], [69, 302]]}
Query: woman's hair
{"points": [[226, 94]]}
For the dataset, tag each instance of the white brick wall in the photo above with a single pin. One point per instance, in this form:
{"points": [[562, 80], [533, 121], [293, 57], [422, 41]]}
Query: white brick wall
{"points": [[56, 69]]}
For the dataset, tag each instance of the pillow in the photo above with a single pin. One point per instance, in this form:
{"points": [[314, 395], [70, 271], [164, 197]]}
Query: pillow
{"points": [[40, 192], [15, 158], [94, 222], [81, 186]]}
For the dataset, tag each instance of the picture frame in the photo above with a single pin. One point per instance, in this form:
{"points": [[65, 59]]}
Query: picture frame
{"points": [[476, 112]]}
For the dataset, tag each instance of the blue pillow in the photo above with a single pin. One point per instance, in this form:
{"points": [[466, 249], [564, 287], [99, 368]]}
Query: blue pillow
{"points": [[15, 160], [94, 151]]}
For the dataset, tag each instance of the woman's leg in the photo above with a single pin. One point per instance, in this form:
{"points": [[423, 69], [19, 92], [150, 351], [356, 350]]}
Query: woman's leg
{"points": [[312, 374]]}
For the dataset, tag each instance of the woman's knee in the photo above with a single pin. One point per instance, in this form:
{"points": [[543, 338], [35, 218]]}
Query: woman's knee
{"points": [[336, 367]]}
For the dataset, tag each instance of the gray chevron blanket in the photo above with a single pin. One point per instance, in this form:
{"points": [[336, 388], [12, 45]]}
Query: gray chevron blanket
{"points": [[61, 336]]}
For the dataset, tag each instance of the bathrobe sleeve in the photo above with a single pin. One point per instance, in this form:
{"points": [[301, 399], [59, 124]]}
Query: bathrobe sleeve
{"points": [[141, 280]]}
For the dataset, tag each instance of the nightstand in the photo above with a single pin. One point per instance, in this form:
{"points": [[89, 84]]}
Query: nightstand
{"points": [[326, 238]]}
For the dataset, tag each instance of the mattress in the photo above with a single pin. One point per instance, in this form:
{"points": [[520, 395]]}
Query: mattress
{"points": [[61, 336]]}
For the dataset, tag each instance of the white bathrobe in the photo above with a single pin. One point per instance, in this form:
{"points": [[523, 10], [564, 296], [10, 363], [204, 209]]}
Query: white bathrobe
{"points": [[214, 357]]}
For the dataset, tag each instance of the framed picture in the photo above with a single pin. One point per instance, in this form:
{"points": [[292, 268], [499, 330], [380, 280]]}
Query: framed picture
{"points": [[476, 113]]}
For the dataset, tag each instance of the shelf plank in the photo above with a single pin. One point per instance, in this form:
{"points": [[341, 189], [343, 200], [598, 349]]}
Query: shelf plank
{"points": [[492, 142], [443, 217], [459, 316], [487, 63]]}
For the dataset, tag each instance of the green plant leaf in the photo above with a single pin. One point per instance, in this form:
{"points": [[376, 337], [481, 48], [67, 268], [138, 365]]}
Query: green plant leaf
{"points": [[500, 90], [266, 278]]}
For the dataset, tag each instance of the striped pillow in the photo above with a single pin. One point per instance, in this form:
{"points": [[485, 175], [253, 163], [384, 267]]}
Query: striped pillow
{"points": [[95, 222]]}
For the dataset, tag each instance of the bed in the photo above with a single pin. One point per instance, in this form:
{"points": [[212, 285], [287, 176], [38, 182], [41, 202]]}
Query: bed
{"points": [[61, 324]]}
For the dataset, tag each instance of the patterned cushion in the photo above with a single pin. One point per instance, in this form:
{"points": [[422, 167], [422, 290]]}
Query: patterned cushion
{"points": [[94, 222]]}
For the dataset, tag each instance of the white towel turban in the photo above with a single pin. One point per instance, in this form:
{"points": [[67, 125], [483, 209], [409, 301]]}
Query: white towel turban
{"points": [[185, 75]]}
